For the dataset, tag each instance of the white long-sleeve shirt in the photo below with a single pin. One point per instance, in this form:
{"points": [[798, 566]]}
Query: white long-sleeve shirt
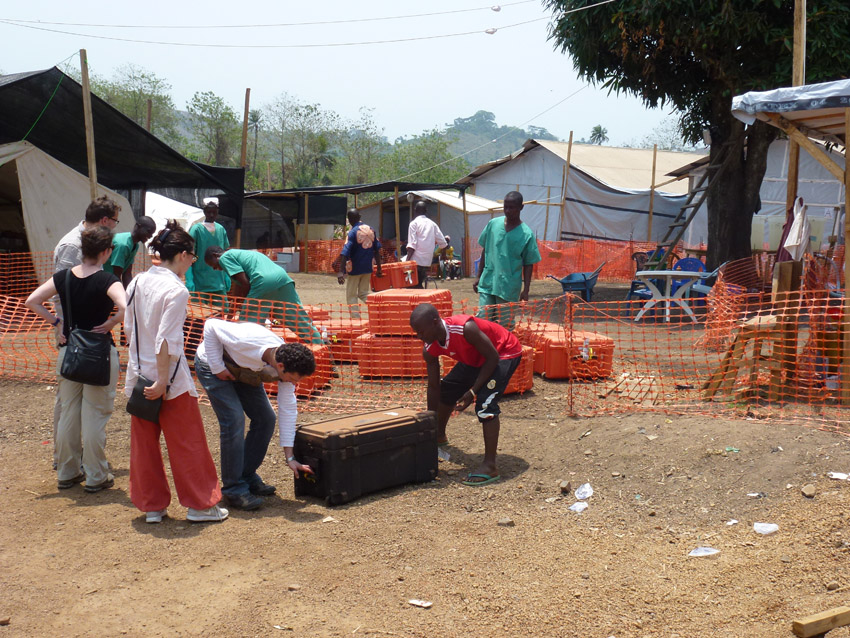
{"points": [[158, 300], [245, 343], [422, 235]]}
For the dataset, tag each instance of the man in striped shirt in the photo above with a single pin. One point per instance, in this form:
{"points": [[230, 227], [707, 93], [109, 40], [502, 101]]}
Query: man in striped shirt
{"points": [[487, 356]]}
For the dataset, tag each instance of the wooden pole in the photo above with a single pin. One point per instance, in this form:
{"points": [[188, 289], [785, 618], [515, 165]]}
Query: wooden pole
{"points": [[845, 321], [798, 78], [799, 70], [87, 116], [243, 159], [397, 224], [546, 223], [306, 230], [467, 263], [150, 113], [564, 189], [652, 193]]}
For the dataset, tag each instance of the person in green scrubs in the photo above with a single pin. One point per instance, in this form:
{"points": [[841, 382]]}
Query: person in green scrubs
{"points": [[509, 252], [255, 276], [200, 277], [125, 246]]}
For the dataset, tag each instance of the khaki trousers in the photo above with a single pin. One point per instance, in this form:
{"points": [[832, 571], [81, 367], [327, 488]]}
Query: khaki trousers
{"points": [[357, 288], [81, 432]]}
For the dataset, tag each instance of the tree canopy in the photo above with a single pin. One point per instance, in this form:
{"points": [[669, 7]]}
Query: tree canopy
{"points": [[696, 56]]}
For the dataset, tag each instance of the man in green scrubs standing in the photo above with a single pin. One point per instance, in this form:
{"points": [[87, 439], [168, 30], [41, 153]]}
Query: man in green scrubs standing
{"points": [[200, 277], [255, 276], [125, 246], [509, 252]]}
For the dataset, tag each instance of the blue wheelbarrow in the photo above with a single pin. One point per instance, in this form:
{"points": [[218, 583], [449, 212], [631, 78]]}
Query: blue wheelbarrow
{"points": [[580, 282]]}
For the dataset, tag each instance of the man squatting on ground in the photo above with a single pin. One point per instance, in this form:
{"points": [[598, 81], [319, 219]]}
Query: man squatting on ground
{"points": [[487, 356], [232, 362]]}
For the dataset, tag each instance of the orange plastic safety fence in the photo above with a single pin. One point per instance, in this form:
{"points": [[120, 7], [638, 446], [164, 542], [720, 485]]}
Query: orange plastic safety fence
{"points": [[322, 254], [737, 350], [21, 273], [561, 258], [366, 355]]}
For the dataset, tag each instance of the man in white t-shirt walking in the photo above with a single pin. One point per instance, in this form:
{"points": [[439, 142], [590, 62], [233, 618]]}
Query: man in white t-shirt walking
{"points": [[422, 236]]}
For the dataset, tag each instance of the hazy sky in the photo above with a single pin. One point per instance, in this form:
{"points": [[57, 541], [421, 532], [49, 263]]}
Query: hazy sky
{"points": [[411, 85]]}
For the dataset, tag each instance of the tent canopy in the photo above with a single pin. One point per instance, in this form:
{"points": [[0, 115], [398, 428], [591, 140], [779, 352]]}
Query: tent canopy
{"points": [[816, 110], [353, 189], [43, 198], [46, 109], [621, 168]]}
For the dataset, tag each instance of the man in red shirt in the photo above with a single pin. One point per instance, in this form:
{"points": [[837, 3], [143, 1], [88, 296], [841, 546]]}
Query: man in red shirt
{"points": [[487, 356]]}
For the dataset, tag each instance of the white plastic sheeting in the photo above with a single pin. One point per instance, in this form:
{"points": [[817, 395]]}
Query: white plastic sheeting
{"points": [[54, 197], [593, 208]]}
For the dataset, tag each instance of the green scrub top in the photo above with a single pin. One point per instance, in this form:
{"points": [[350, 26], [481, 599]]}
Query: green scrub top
{"points": [[124, 251], [266, 277], [200, 277], [505, 253]]}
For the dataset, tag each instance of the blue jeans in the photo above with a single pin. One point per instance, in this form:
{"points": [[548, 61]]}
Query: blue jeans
{"points": [[241, 455]]}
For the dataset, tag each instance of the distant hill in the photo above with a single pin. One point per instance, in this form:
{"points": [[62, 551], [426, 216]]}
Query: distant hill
{"points": [[471, 132]]}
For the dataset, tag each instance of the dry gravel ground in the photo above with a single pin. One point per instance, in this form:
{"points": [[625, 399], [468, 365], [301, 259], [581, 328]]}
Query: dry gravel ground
{"points": [[78, 564]]}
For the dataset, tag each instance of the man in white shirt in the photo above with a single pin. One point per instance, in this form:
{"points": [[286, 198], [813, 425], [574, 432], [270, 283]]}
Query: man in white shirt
{"points": [[232, 362], [422, 236]]}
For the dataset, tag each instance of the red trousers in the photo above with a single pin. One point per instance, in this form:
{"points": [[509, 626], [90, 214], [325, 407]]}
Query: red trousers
{"points": [[192, 464]]}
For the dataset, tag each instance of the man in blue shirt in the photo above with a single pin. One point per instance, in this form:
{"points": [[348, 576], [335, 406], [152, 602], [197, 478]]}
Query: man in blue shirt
{"points": [[362, 246]]}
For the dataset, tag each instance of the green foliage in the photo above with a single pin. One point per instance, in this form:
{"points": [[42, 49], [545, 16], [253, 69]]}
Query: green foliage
{"points": [[129, 90], [698, 55], [480, 130], [424, 158], [598, 134], [215, 127]]}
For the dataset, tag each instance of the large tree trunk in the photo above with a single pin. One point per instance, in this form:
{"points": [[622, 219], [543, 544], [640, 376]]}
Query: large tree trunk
{"points": [[735, 198]]}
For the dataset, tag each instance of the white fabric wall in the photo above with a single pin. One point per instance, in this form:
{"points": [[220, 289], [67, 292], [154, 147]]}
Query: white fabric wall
{"points": [[54, 197], [818, 188], [592, 208]]}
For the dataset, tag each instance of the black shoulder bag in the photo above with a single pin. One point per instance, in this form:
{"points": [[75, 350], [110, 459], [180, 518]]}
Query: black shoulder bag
{"points": [[138, 404], [87, 353]]}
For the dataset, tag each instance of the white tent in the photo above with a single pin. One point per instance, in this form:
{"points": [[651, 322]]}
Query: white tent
{"points": [[43, 198], [445, 207], [607, 193], [161, 209]]}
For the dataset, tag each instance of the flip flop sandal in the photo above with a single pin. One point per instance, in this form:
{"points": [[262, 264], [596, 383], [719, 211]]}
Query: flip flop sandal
{"points": [[485, 479]]}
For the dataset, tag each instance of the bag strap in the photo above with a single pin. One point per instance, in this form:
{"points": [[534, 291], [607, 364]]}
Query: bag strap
{"points": [[136, 335], [70, 322]]}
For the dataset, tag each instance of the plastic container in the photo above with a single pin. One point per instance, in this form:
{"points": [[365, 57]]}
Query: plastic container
{"points": [[342, 334], [400, 274], [588, 355], [389, 356], [389, 310]]}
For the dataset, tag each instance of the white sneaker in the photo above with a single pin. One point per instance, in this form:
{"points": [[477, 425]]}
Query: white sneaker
{"points": [[155, 517], [214, 513]]}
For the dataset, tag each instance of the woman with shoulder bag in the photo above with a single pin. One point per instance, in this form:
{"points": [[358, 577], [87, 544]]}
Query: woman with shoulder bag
{"points": [[156, 311], [88, 296]]}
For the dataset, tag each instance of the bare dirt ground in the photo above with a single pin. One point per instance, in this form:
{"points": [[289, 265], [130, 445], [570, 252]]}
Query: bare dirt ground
{"points": [[78, 564]]}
